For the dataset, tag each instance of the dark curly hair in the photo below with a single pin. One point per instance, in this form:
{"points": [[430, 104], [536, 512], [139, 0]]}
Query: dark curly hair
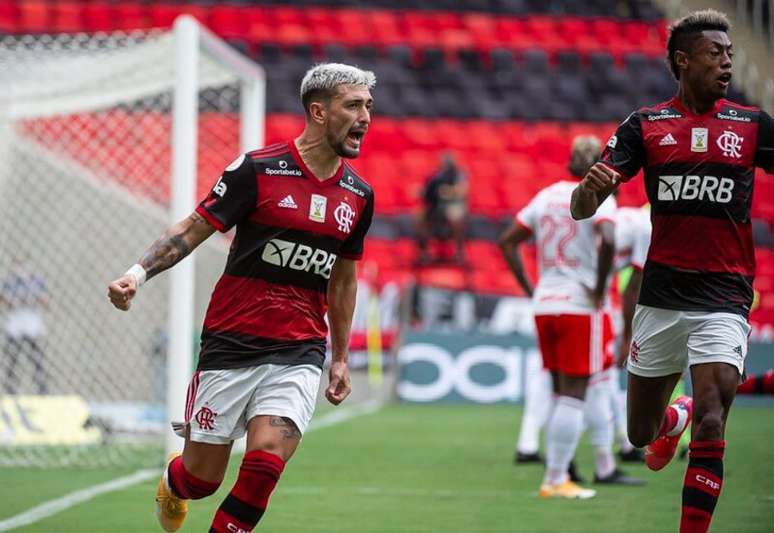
{"points": [[685, 31]]}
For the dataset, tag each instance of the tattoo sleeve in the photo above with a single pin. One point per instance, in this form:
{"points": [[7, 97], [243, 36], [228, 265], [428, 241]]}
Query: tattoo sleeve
{"points": [[171, 247]]}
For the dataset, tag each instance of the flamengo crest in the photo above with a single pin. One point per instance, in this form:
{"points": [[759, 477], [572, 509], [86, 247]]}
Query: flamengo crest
{"points": [[730, 143], [344, 216]]}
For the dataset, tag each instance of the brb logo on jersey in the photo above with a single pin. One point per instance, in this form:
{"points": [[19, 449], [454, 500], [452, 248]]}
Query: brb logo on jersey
{"points": [[344, 216], [671, 188], [300, 257]]}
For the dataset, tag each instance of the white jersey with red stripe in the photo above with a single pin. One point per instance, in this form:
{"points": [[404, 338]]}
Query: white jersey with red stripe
{"points": [[632, 237], [567, 250]]}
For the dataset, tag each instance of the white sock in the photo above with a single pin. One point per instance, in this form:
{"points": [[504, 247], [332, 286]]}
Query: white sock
{"points": [[604, 463], [562, 435], [538, 403], [682, 420], [600, 422]]}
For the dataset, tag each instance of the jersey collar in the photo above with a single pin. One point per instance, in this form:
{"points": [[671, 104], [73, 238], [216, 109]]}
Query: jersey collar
{"points": [[677, 104], [307, 172]]}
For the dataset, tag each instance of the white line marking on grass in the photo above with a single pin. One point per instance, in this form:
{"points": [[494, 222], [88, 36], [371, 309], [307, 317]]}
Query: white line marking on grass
{"points": [[72, 499], [342, 414], [52, 507]]}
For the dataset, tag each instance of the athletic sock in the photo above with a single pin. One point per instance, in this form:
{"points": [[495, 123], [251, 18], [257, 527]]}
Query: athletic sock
{"points": [[564, 431], [599, 419], [762, 384], [247, 501], [701, 488], [674, 422], [538, 405], [185, 485]]}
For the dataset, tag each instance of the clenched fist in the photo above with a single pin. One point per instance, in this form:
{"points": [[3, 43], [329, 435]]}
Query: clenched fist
{"points": [[600, 178], [122, 290]]}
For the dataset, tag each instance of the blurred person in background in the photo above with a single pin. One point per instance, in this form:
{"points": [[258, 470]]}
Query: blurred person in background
{"points": [[632, 238], [574, 333], [23, 297], [444, 209]]}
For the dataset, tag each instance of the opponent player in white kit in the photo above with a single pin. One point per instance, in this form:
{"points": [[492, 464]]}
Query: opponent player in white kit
{"points": [[632, 238], [574, 335]]}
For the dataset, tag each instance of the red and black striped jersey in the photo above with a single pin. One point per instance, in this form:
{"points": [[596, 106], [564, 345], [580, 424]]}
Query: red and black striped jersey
{"points": [[269, 305], [699, 172]]}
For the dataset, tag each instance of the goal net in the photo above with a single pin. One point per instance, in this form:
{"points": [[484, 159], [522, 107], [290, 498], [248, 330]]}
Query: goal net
{"points": [[92, 130]]}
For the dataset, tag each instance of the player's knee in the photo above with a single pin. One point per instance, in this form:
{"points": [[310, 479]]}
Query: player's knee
{"points": [[708, 426], [640, 436]]}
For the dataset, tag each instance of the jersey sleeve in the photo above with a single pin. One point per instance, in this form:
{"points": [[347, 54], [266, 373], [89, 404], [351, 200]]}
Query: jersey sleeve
{"points": [[353, 246], [233, 197], [625, 151], [764, 150], [606, 212], [528, 216], [641, 243]]}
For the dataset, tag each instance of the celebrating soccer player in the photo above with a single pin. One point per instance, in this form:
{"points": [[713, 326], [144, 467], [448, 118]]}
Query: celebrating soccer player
{"points": [[698, 151], [301, 215]]}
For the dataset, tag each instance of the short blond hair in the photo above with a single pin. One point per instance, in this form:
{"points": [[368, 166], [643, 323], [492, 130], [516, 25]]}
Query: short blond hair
{"points": [[321, 80], [586, 150]]}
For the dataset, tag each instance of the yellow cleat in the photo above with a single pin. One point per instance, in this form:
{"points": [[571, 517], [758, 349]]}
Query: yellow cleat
{"points": [[170, 510], [568, 490]]}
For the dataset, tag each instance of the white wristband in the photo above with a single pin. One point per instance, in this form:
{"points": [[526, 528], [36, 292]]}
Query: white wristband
{"points": [[139, 274]]}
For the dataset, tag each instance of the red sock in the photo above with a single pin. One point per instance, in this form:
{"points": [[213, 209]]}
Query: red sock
{"points": [[247, 501], [701, 488], [186, 485], [763, 384], [670, 421]]}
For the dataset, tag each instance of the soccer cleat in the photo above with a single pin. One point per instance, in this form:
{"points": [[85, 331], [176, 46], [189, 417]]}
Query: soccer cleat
{"points": [[568, 490], [634, 455], [617, 477], [170, 510], [659, 453], [574, 475], [526, 458]]}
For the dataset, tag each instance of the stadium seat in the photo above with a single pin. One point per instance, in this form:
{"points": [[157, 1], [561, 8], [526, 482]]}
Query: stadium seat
{"points": [[34, 16]]}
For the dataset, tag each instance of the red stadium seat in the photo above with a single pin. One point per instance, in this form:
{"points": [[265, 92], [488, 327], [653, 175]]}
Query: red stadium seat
{"points": [[131, 16], [228, 21], [99, 16], [9, 16], [34, 16], [66, 17]]}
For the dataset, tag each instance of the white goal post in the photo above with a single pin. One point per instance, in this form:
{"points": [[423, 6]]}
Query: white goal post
{"points": [[105, 140], [191, 39]]}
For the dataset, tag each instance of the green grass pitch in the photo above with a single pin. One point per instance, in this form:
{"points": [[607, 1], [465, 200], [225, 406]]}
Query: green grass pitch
{"points": [[428, 469]]}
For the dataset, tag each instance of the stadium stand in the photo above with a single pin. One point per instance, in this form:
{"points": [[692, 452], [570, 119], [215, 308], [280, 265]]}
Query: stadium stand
{"points": [[505, 84]]}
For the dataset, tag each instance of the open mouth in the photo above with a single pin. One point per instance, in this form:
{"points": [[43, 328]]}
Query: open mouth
{"points": [[724, 79], [355, 137]]}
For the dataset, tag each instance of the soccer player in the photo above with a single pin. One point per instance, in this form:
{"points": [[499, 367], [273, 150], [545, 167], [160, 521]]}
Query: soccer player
{"points": [[573, 332], [632, 238], [698, 151], [301, 215]]}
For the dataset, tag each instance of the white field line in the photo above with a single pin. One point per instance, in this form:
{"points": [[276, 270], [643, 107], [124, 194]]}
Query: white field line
{"points": [[72, 499]]}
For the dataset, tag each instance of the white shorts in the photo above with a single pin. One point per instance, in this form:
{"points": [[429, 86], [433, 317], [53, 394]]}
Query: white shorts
{"points": [[220, 403], [665, 341]]}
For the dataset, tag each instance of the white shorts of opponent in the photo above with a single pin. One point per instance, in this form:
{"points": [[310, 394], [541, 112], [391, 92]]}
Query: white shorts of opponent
{"points": [[665, 341], [220, 403]]}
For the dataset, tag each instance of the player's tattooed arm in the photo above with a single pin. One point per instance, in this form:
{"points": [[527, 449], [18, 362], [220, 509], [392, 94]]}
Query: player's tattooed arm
{"points": [[289, 429], [176, 243]]}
